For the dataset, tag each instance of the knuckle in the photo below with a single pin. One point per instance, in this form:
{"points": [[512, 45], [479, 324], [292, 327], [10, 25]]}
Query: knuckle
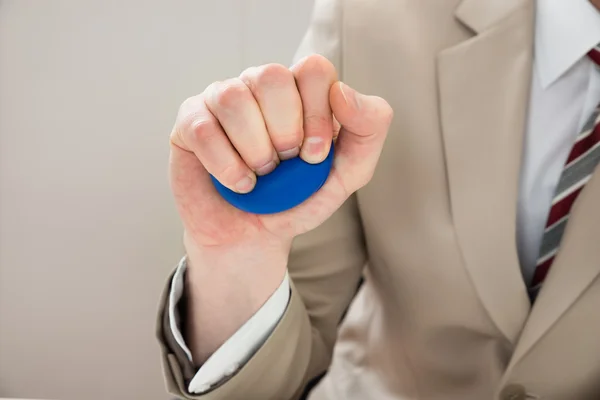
{"points": [[187, 108], [273, 74], [250, 71], [267, 76], [201, 129], [229, 93], [186, 117], [187, 104], [316, 64], [248, 77]]}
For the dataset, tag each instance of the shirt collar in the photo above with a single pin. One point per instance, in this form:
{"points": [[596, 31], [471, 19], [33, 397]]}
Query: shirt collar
{"points": [[565, 31]]}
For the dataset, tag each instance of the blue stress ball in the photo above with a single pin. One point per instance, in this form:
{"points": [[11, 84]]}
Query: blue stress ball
{"points": [[291, 183]]}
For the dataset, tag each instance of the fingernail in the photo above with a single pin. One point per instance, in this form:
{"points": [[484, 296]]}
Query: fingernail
{"points": [[350, 96], [265, 169], [313, 150], [287, 154], [245, 184]]}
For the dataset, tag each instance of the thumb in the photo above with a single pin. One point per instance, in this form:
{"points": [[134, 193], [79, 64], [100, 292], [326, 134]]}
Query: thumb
{"points": [[364, 122]]}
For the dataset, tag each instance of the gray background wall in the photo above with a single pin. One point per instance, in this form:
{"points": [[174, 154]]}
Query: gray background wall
{"points": [[88, 231]]}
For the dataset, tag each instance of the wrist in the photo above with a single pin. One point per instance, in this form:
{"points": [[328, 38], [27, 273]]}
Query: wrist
{"points": [[266, 255], [225, 286]]}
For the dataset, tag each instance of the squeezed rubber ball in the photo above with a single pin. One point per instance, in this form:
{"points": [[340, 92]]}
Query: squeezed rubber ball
{"points": [[291, 183]]}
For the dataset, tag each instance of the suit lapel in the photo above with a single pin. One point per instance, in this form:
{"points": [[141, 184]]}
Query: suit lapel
{"points": [[484, 91], [576, 265]]}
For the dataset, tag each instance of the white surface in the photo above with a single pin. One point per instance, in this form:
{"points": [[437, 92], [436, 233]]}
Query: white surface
{"points": [[88, 231]]}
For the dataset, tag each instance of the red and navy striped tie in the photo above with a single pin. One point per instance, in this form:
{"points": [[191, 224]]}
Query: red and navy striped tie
{"points": [[583, 159]]}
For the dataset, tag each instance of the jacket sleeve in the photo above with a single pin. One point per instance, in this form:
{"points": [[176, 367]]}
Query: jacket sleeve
{"points": [[325, 266]]}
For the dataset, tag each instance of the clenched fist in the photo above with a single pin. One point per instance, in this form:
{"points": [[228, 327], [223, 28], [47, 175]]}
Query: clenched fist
{"points": [[240, 128]]}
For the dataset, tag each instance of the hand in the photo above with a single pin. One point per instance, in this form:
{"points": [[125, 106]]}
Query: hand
{"points": [[243, 127], [238, 129]]}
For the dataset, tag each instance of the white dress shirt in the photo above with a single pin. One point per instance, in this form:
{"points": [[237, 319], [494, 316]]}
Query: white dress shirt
{"points": [[565, 89]]}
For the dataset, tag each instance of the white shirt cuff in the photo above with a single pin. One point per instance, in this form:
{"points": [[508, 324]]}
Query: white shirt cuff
{"points": [[240, 347]]}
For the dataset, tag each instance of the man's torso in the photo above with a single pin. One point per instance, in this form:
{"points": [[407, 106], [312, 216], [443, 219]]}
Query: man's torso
{"points": [[444, 312]]}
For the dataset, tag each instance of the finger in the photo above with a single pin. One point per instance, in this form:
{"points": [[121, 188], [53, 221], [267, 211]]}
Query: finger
{"points": [[314, 77], [198, 131], [364, 121], [234, 106], [275, 91]]}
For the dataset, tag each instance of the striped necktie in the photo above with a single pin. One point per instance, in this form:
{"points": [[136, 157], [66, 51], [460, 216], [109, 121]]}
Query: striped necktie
{"points": [[582, 160]]}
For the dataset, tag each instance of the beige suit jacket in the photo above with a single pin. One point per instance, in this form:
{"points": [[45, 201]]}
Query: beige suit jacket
{"points": [[443, 313]]}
